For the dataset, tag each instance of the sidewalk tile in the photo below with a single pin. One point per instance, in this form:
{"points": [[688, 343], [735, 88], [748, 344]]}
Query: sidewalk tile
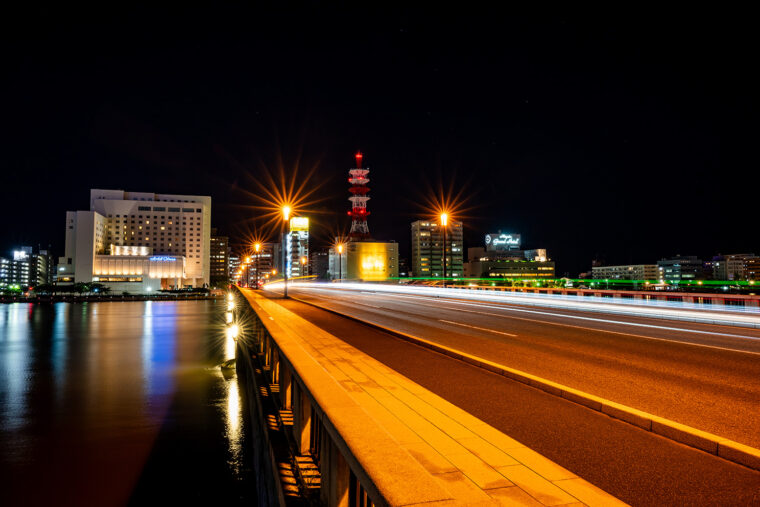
{"points": [[536, 486], [541, 465], [478, 471], [587, 493]]}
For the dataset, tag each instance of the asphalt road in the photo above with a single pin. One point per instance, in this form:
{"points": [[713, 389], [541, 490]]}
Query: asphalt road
{"points": [[638, 467], [706, 376]]}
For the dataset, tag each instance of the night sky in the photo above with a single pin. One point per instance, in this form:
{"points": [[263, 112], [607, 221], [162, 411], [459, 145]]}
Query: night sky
{"points": [[622, 135]]}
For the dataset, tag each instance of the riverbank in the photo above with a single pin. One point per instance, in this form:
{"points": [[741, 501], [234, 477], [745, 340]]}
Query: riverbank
{"points": [[70, 298]]}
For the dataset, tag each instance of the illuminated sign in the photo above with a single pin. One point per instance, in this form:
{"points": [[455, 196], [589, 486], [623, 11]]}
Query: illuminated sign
{"points": [[19, 255], [162, 258], [299, 224], [130, 250], [502, 241]]}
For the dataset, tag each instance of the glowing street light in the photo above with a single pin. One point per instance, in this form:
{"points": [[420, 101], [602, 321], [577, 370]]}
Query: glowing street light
{"points": [[285, 215], [257, 249], [303, 265], [340, 262], [444, 223]]}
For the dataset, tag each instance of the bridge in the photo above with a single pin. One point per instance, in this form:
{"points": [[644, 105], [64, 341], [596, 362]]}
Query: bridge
{"points": [[396, 395]]}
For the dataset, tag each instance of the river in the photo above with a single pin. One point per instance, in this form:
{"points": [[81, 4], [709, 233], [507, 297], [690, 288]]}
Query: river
{"points": [[116, 403]]}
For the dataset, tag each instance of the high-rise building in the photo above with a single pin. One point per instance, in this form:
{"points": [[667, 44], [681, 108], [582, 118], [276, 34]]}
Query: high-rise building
{"points": [[234, 264], [25, 268], [680, 268], [427, 249], [297, 247], [138, 241], [219, 260]]}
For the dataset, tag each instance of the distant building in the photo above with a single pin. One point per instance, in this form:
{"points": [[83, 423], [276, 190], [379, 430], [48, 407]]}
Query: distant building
{"points": [[626, 272], [219, 260], [369, 261], [138, 241], [234, 264], [731, 267], [25, 269], [297, 247], [752, 269], [403, 267], [501, 257], [319, 264], [427, 250], [680, 268]]}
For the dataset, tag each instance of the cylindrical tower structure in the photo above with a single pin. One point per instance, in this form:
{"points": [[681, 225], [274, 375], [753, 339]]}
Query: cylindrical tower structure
{"points": [[359, 190]]}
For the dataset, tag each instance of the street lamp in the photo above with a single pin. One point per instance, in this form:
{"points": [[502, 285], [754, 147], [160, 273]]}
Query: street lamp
{"points": [[444, 223], [285, 215], [257, 249], [340, 262], [303, 266]]}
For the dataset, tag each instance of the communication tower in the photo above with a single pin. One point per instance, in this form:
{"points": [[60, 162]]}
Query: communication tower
{"points": [[359, 190]]}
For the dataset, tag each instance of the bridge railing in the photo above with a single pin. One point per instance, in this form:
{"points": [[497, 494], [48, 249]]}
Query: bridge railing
{"points": [[359, 462]]}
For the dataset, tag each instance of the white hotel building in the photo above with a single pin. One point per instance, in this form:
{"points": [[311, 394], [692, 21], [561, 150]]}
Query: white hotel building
{"points": [[138, 242]]}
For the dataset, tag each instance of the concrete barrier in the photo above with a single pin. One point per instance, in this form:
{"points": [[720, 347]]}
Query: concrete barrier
{"points": [[359, 462]]}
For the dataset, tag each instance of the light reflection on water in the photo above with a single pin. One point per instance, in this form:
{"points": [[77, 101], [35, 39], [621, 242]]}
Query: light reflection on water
{"points": [[116, 401]]}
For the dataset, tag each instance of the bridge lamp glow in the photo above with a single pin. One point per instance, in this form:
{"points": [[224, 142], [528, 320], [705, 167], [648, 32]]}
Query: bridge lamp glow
{"points": [[230, 306], [286, 209], [257, 247], [228, 315], [232, 331], [444, 219]]}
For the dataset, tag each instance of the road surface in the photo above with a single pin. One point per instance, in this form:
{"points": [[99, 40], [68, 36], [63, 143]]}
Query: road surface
{"points": [[639, 467]]}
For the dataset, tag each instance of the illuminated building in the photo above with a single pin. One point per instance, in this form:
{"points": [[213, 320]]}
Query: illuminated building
{"points": [[427, 249], [359, 190], [626, 272], [368, 261], [680, 268], [297, 246], [752, 269], [219, 259], [138, 242], [501, 257], [234, 264], [25, 268], [731, 267]]}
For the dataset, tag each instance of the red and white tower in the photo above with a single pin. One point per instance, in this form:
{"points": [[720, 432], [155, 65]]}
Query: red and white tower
{"points": [[359, 190]]}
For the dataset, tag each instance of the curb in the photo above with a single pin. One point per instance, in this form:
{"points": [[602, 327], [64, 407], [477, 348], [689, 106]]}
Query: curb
{"points": [[681, 433]]}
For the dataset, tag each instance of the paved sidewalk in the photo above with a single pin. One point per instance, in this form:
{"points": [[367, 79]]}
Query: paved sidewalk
{"points": [[471, 460]]}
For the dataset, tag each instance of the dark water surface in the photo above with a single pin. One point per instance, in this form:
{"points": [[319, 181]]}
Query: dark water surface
{"points": [[117, 403]]}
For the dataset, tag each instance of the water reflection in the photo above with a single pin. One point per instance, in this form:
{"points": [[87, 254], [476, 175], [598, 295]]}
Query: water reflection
{"points": [[100, 397]]}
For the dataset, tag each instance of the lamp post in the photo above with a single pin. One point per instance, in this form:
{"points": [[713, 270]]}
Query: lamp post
{"points": [[285, 216], [303, 266], [444, 223], [340, 262], [257, 249]]}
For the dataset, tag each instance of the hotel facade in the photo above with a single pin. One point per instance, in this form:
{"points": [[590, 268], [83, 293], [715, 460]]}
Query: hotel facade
{"points": [[138, 242]]}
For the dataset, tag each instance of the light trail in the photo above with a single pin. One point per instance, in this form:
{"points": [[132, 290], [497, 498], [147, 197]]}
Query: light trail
{"points": [[607, 321], [634, 308], [476, 327]]}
